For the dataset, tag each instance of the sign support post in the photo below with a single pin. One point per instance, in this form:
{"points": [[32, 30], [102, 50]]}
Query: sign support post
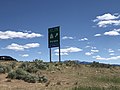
{"points": [[54, 40], [50, 56], [59, 55]]}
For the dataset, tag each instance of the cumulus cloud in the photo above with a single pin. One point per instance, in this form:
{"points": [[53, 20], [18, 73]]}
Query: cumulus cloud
{"points": [[94, 47], [107, 19], [66, 37], [110, 58], [94, 51], [88, 53], [68, 50], [111, 54], [83, 39], [97, 35], [107, 16], [14, 34], [109, 22], [18, 47], [87, 46], [61, 54], [96, 56], [114, 32], [110, 51], [25, 55]]}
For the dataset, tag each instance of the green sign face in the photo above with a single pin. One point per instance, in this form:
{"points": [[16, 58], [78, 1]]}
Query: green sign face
{"points": [[54, 37]]}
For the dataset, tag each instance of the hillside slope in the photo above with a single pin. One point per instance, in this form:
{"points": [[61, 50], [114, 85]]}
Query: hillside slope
{"points": [[65, 77]]}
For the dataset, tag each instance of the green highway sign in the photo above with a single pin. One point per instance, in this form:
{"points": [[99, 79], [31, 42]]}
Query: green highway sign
{"points": [[54, 37]]}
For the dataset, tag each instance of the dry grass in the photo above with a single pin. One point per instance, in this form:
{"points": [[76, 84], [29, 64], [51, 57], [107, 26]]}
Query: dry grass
{"points": [[62, 77]]}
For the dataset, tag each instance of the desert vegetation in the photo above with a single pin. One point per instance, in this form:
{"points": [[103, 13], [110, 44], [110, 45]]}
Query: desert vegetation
{"points": [[67, 75]]}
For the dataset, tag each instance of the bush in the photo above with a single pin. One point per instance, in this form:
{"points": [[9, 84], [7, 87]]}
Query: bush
{"points": [[30, 79], [12, 75], [100, 65], [34, 66], [70, 63], [39, 64], [2, 70], [18, 74], [5, 69], [42, 79], [13, 64], [21, 74], [8, 69], [31, 69], [20, 71], [24, 65]]}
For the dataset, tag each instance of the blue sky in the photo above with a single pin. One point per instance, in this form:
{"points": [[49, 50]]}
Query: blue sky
{"points": [[90, 29]]}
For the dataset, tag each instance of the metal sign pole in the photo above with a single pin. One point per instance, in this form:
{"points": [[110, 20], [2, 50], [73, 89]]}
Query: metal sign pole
{"points": [[59, 48], [59, 55], [50, 56]]}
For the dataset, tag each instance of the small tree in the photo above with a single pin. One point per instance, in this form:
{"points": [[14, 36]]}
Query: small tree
{"points": [[2, 70]]}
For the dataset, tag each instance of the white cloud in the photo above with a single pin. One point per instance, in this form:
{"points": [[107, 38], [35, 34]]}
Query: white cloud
{"points": [[88, 53], [110, 51], [18, 47], [63, 54], [107, 16], [27, 31], [111, 54], [114, 32], [96, 56], [69, 50], [94, 51], [25, 55], [109, 22], [31, 45], [14, 34], [93, 47], [117, 30], [111, 58], [66, 37], [107, 19], [97, 35], [83, 39], [87, 46]]}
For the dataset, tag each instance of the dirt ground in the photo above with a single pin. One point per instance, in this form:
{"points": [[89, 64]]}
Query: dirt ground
{"points": [[56, 80], [64, 78]]}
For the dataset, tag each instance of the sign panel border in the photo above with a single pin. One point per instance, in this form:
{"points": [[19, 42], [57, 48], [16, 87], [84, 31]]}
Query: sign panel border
{"points": [[54, 37]]}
